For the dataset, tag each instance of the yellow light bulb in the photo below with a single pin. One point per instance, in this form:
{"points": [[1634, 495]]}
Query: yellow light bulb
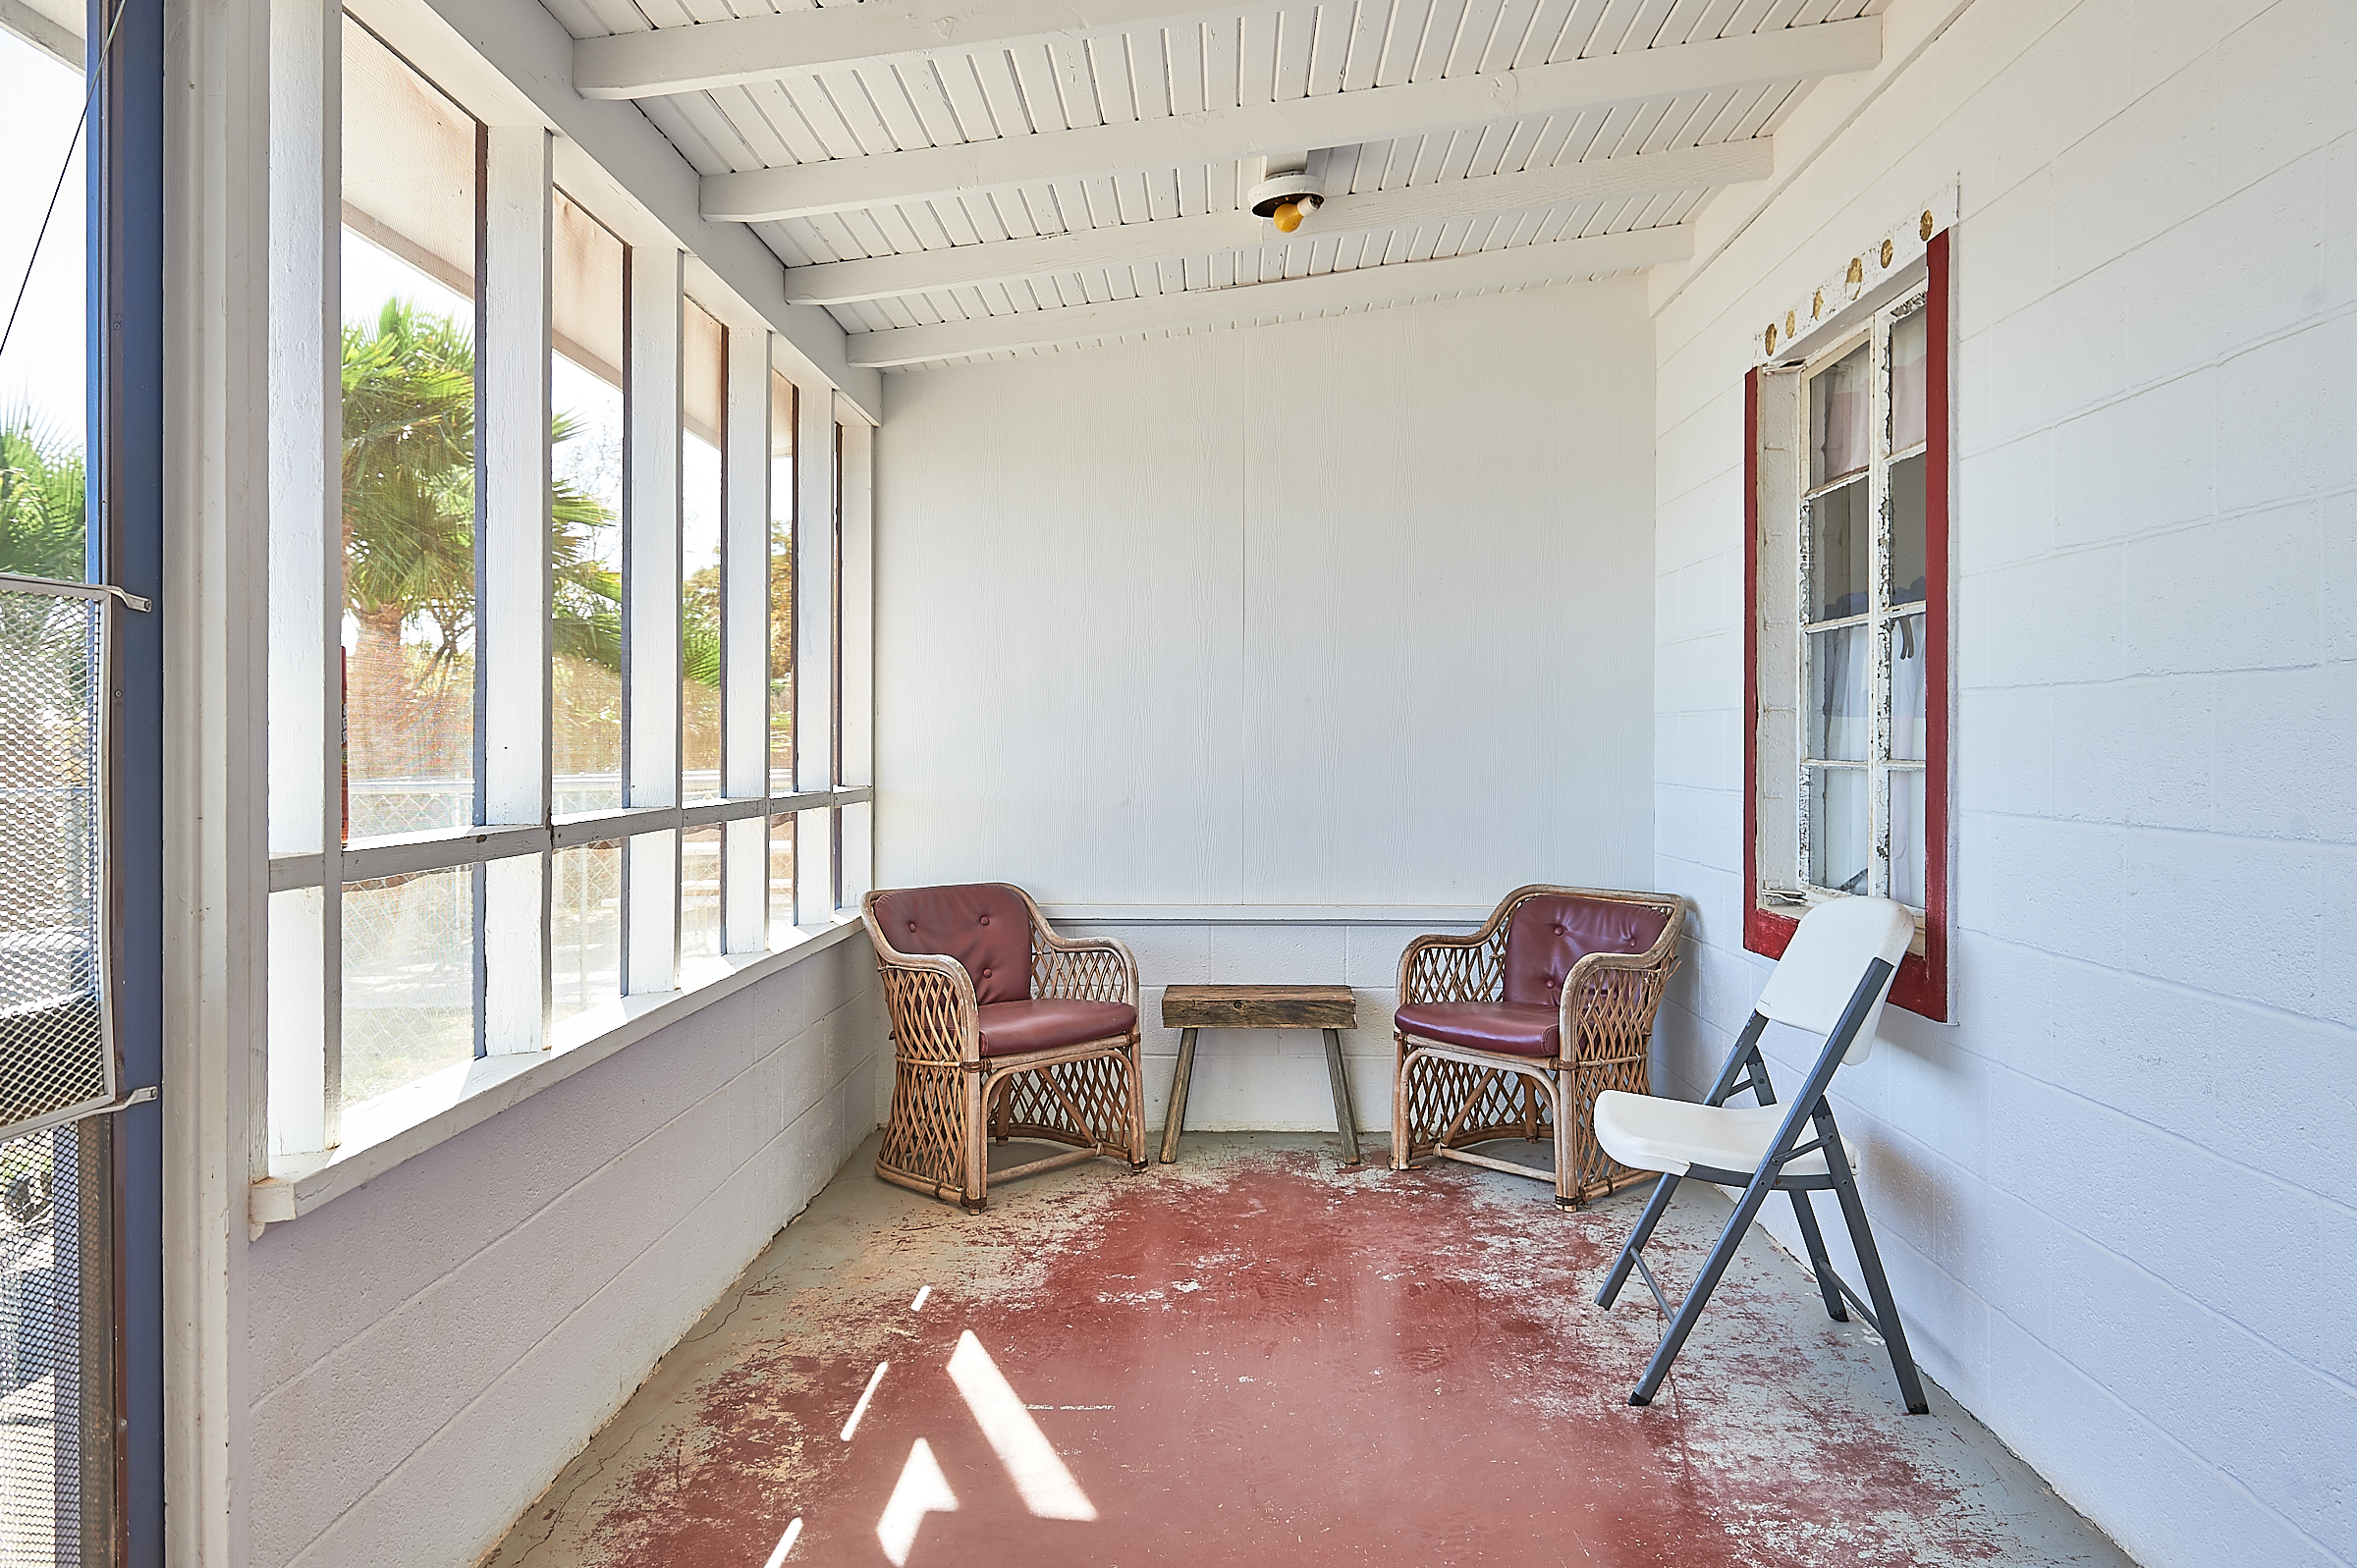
{"points": [[1288, 216]]}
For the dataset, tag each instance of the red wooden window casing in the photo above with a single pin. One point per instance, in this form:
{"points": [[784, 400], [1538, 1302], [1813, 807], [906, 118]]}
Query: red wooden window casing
{"points": [[1922, 983]]}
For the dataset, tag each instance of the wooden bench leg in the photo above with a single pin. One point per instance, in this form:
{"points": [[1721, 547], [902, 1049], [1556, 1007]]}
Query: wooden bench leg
{"points": [[1177, 1117], [1346, 1118]]}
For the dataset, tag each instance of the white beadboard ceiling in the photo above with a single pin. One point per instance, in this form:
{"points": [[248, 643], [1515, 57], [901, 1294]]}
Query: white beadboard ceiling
{"points": [[1058, 87]]}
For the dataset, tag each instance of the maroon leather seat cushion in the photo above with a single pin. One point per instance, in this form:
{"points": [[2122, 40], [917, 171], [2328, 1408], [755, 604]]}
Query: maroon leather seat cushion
{"points": [[1549, 933], [983, 925], [1508, 1027], [1011, 1028]]}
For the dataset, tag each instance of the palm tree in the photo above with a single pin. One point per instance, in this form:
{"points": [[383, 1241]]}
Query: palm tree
{"points": [[43, 481], [409, 520]]}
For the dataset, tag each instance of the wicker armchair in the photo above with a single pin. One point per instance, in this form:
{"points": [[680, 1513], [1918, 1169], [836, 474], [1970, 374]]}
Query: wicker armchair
{"points": [[1519, 1026], [1001, 1028]]}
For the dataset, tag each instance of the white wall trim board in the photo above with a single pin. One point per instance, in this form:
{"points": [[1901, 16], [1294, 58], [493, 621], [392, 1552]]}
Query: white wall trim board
{"points": [[1432, 916], [216, 486], [1144, 244], [448, 1104], [1331, 120], [1559, 260]]}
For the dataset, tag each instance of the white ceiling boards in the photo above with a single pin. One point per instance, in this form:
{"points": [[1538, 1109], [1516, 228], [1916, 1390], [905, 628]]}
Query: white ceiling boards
{"points": [[1012, 167]]}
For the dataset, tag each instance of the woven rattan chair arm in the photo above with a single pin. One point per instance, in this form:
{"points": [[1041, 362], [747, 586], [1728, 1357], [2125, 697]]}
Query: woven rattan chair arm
{"points": [[1078, 968], [931, 1002], [1453, 968], [1610, 1000]]}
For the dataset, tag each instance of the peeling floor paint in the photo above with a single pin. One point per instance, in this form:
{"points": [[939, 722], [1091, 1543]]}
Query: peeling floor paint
{"points": [[1259, 1355]]}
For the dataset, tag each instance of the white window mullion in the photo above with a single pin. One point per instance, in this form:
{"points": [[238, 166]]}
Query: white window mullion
{"points": [[814, 656], [857, 652], [306, 572], [744, 642], [651, 618], [512, 617], [1878, 696]]}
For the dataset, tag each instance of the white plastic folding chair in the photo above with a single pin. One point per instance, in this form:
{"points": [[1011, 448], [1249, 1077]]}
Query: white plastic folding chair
{"points": [[1832, 982]]}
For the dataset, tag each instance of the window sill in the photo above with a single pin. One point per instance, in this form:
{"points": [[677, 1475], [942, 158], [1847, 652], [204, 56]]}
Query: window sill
{"points": [[382, 1133]]}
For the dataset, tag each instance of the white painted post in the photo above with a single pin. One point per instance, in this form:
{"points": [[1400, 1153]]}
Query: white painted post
{"points": [[512, 638], [814, 655], [651, 597], [306, 572], [745, 641], [857, 634]]}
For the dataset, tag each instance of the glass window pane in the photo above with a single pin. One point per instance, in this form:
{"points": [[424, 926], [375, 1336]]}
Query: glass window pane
{"points": [[585, 928], [1907, 731], [780, 877], [1837, 829], [703, 403], [782, 413], [1840, 418], [1905, 584], [587, 274], [1839, 713], [43, 381], [699, 894], [409, 447], [1906, 836], [408, 979], [1840, 541], [1910, 379]]}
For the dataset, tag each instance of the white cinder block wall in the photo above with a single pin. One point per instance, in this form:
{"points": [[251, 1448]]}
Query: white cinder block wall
{"points": [[427, 1352], [1283, 644], [2118, 1195]]}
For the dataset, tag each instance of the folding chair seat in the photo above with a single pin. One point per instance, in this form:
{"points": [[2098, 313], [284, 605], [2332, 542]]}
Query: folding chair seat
{"points": [[1831, 983]]}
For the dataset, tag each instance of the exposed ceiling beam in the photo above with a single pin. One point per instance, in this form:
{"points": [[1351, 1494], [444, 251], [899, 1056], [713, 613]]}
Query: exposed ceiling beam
{"points": [[727, 53], [1334, 119], [1214, 307], [1145, 243], [43, 31]]}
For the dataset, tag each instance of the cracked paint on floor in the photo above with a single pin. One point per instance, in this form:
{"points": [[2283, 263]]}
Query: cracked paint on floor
{"points": [[1258, 1355]]}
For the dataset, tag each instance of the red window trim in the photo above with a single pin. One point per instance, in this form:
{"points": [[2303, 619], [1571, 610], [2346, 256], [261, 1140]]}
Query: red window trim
{"points": [[1922, 984]]}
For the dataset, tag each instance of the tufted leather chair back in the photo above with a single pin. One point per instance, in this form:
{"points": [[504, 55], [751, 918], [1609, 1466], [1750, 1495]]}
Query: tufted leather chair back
{"points": [[983, 925], [1549, 933]]}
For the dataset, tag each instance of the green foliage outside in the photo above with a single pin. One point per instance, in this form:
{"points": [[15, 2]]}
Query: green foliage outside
{"points": [[41, 501]]}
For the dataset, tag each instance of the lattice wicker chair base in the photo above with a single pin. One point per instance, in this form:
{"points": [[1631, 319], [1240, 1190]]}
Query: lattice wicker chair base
{"points": [[945, 1117], [1450, 1101], [1001, 1029], [1513, 1031]]}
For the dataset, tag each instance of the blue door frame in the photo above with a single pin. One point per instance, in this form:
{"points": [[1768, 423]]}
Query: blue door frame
{"points": [[126, 445]]}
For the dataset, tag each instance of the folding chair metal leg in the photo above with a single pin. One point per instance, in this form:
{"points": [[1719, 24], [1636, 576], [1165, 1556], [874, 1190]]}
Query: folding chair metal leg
{"points": [[1689, 1312], [1878, 1288], [1804, 1208], [1655, 1207]]}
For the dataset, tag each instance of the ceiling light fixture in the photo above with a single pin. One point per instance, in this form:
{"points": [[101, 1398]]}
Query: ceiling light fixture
{"points": [[1285, 199]]}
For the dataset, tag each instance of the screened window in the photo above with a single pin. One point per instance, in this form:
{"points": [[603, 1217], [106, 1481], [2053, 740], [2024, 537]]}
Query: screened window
{"points": [[555, 706], [1847, 620]]}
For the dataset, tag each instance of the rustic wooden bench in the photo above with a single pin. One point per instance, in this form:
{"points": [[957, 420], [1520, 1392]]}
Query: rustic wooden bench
{"points": [[1331, 1009]]}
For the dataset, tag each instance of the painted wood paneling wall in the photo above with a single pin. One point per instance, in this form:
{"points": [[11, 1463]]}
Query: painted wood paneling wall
{"points": [[1345, 612]]}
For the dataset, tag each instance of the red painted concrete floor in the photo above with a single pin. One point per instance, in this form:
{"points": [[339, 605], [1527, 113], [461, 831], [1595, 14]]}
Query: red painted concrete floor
{"points": [[1259, 1356]]}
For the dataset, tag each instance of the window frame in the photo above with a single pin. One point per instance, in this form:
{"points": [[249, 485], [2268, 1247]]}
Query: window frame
{"points": [[509, 838], [1922, 985]]}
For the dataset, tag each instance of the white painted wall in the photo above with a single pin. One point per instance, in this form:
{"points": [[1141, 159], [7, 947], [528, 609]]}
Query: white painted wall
{"points": [[2119, 1196], [429, 1351], [1345, 614]]}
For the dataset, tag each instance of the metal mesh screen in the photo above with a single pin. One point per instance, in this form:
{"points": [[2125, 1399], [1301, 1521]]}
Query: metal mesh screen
{"points": [[53, 1051], [56, 1355]]}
